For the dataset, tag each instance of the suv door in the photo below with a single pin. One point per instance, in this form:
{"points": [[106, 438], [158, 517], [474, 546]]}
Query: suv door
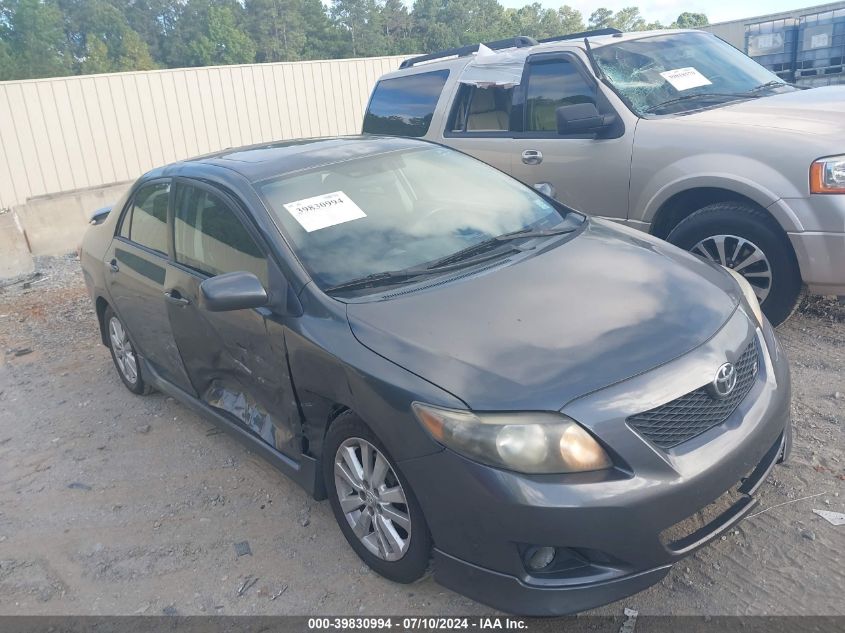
{"points": [[236, 360], [136, 265], [587, 173]]}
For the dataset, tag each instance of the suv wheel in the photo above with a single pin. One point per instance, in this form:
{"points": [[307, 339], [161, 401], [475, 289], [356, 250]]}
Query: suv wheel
{"points": [[123, 354], [749, 241], [373, 503]]}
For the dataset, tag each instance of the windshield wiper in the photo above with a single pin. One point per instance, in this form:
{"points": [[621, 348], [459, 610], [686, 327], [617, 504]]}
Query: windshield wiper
{"points": [[460, 259], [700, 95], [774, 83], [467, 253], [379, 279]]}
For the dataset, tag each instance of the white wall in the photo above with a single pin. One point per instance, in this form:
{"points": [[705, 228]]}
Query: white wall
{"points": [[71, 133]]}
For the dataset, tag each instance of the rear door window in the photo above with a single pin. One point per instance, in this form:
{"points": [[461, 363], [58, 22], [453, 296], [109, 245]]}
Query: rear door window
{"points": [[552, 84], [210, 237], [146, 220], [482, 109], [404, 106]]}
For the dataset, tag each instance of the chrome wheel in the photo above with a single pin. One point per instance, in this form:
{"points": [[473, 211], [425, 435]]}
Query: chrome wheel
{"points": [[740, 255], [372, 499], [124, 353]]}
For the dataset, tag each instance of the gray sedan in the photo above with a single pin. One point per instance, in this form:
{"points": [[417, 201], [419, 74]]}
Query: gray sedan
{"points": [[543, 404]]}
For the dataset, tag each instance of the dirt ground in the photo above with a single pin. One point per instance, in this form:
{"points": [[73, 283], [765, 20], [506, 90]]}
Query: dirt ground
{"points": [[112, 503]]}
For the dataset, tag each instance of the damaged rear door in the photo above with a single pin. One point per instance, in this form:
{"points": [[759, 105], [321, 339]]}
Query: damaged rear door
{"points": [[233, 363]]}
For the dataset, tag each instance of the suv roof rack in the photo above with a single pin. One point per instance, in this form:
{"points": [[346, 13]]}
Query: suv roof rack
{"points": [[581, 35], [520, 41]]}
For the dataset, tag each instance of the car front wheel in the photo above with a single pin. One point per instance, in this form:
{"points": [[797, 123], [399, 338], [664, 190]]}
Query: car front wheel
{"points": [[748, 241], [373, 503]]}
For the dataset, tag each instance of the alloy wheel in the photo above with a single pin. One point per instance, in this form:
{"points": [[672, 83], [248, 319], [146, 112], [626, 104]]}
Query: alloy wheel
{"points": [[742, 256], [124, 353], [372, 499]]}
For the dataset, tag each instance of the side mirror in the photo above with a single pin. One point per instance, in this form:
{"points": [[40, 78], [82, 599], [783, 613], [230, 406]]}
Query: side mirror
{"points": [[232, 291], [581, 118]]}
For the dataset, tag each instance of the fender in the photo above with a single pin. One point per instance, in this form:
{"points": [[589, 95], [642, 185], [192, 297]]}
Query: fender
{"points": [[664, 184]]}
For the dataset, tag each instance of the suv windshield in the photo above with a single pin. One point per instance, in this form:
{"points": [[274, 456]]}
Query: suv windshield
{"points": [[677, 72], [391, 216]]}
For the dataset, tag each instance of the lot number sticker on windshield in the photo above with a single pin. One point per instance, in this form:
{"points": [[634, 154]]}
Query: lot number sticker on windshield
{"points": [[323, 211], [685, 78]]}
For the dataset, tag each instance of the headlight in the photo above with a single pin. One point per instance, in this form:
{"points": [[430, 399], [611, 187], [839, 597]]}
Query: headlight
{"points": [[749, 294], [827, 175], [525, 442]]}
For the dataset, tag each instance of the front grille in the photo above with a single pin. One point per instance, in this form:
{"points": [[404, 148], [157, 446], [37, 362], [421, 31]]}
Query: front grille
{"points": [[692, 414]]}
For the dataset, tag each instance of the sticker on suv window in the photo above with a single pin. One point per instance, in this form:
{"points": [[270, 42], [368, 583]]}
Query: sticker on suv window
{"points": [[324, 211], [685, 78]]}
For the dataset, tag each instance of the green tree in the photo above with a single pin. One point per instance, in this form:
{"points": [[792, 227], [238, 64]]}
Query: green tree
{"points": [[36, 44], [152, 20], [428, 31], [601, 18], [324, 39], [277, 29], [571, 20], [101, 40], [540, 23], [533, 20], [627, 19], [209, 33], [7, 65], [360, 22], [689, 20], [396, 25]]}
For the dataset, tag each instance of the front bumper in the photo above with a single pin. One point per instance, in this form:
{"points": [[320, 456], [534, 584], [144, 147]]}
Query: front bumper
{"points": [[516, 595], [617, 522], [821, 258], [816, 229]]}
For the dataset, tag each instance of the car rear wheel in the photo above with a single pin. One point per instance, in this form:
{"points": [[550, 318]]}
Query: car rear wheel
{"points": [[123, 354], [748, 241], [373, 502]]}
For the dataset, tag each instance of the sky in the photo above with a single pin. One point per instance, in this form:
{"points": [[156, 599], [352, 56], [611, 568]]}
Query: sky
{"points": [[666, 11]]}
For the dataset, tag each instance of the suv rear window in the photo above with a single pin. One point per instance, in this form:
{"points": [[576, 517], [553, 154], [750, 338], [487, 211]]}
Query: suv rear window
{"points": [[404, 106]]}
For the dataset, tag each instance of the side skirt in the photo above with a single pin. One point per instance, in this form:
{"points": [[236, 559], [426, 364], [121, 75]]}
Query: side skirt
{"points": [[306, 472]]}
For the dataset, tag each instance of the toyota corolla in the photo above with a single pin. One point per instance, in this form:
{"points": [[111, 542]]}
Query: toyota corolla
{"points": [[547, 408]]}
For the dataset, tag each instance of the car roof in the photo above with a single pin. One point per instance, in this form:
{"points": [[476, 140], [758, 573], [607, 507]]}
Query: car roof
{"points": [[267, 160]]}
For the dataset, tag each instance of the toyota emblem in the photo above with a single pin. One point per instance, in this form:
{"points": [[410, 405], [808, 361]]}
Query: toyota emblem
{"points": [[724, 382]]}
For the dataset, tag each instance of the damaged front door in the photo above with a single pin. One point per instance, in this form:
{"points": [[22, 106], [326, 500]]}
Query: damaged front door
{"points": [[234, 364]]}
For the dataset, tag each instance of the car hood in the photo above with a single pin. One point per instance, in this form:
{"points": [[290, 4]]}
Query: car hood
{"points": [[608, 304], [817, 111]]}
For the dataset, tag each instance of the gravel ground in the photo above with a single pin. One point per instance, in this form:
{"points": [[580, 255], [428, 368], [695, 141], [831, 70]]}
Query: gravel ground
{"points": [[116, 504]]}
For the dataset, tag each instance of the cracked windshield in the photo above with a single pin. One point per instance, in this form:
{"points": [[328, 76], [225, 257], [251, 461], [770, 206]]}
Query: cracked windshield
{"points": [[679, 72]]}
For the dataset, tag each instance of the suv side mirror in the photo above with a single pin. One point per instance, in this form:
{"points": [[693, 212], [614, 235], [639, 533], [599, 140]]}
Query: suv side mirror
{"points": [[580, 118], [232, 291]]}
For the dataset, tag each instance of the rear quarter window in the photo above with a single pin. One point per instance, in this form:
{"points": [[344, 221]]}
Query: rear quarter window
{"points": [[404, 106]]}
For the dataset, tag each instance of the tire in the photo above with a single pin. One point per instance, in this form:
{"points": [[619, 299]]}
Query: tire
{"points": [[744, 232], [403, 564], [123, 354]]}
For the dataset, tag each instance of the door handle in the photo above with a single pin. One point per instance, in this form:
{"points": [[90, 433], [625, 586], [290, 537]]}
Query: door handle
{"points": [[173, 296], [113, 266], [532, 157]]}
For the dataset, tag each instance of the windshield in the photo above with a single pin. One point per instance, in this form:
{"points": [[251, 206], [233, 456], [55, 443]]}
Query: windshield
{"points": [[678, 72], [400, 210]]}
